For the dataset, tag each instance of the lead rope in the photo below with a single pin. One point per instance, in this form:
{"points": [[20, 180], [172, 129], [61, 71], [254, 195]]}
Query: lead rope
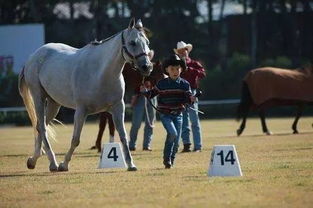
{"points": [[150, 123]]}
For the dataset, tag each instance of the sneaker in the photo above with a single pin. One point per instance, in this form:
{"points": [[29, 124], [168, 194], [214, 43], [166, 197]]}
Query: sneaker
{"points": [[172, 160], [147, 149], [132, 148], [197, 150], [167, 164]]}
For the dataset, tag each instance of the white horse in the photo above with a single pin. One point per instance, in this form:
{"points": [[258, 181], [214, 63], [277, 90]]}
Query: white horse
{"points": [[88, 80]]}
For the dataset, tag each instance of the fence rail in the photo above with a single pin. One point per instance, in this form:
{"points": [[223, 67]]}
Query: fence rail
{"points": [[201, 103], [12, 109]]}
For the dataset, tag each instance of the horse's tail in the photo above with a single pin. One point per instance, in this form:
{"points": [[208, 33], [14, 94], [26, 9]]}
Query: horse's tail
{"points": [[245, 101], [27, 98], [30, 106]]}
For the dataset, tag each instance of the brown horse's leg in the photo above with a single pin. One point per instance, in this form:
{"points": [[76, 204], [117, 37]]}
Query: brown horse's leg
{"points": [[102, 123], [111, 128], [242, 125], [298, 115], [263, 122], [243, 109]]}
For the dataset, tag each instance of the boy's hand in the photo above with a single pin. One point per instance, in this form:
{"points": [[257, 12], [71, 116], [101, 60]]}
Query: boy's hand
{"points": [[193, 98], [143, 88]]}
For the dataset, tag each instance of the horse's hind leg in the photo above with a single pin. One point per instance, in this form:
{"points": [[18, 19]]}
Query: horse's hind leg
{"points": [[79, 119], [263, 123], [244, 107], [298, 115], [39, 102], [52, 110], [118, 118]]}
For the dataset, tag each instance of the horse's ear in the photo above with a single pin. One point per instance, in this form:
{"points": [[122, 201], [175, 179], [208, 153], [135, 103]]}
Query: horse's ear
{"points": [[131, 23], [139, 24]]}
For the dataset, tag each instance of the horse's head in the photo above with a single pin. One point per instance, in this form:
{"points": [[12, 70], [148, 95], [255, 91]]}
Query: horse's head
{"points": [[136, 47]]}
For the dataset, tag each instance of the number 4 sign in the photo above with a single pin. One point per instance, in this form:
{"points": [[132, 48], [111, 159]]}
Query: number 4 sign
{"points": [[224, 161], [112, 156]]}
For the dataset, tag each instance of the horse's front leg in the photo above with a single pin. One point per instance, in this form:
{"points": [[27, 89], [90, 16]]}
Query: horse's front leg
{"points": [[79, 119], [118, 113]]}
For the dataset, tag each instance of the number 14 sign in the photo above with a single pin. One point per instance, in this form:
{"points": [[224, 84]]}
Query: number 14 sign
{"points": [[224, 161]]}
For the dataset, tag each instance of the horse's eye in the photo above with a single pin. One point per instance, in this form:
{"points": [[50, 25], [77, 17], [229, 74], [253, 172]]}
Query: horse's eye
{"points": [[132, 43]]}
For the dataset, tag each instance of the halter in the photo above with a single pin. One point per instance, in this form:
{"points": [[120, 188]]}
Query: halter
{"points": [[132, 57]]}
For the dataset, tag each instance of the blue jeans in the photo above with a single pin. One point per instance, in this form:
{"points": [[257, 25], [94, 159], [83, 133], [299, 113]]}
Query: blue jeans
{"points": [[172, 124], [192, 115], [139, 112]]}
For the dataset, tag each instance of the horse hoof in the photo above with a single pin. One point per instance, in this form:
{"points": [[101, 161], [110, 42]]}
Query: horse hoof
{"points": [[132, 168], [30, 163], [239, 132], [53, 167], [62, 167], [268, 133]]}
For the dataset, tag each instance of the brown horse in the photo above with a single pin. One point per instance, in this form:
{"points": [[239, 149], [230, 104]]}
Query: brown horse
{"points": [[133, 80], [267, 87]]}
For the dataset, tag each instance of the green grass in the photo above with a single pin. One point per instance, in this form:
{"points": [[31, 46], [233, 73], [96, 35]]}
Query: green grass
{"points": [[277, 170]]}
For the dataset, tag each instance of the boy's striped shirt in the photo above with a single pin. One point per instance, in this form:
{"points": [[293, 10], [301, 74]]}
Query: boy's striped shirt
{"points": [[172, 95]]}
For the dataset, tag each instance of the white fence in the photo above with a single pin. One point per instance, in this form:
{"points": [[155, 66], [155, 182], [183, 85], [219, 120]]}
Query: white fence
{"points": [[201, 103]]}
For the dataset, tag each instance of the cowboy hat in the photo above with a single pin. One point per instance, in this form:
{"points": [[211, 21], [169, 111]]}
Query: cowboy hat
{"points": [[173, 60], [182, 44]]}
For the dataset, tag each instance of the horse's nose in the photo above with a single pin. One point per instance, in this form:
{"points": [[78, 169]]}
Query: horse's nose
{"points": [[145, 68]]}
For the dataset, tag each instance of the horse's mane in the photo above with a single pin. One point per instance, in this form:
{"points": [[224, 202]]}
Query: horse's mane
{"points": [[145, 30], [96, 42]]}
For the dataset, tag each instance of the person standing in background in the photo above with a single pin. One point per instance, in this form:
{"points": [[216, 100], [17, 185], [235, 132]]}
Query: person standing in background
{"points": [[194, 73], [143, 109]]}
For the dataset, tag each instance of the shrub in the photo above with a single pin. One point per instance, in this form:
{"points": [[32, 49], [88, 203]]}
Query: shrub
{"points": [[279, 61], [17, 118]]}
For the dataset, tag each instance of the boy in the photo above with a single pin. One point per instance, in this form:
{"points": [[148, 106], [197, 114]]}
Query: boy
{"points": [[174, 92]]}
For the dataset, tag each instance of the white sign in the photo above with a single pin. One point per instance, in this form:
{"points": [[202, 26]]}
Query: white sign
{"points": [[112, 156], [224, 161], [18, 42]]}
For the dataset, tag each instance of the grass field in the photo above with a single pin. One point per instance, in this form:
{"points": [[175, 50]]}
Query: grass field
{"points": [[277, 170]]}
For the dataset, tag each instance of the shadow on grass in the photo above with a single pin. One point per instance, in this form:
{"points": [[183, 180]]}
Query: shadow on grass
{"points": [[53, 174], [196, 177], [262, 135], [15, 155], [79, 154], [297, 149]]}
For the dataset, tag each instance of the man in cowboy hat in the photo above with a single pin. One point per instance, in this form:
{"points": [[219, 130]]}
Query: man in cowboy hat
{"points": [[193, 74]]}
